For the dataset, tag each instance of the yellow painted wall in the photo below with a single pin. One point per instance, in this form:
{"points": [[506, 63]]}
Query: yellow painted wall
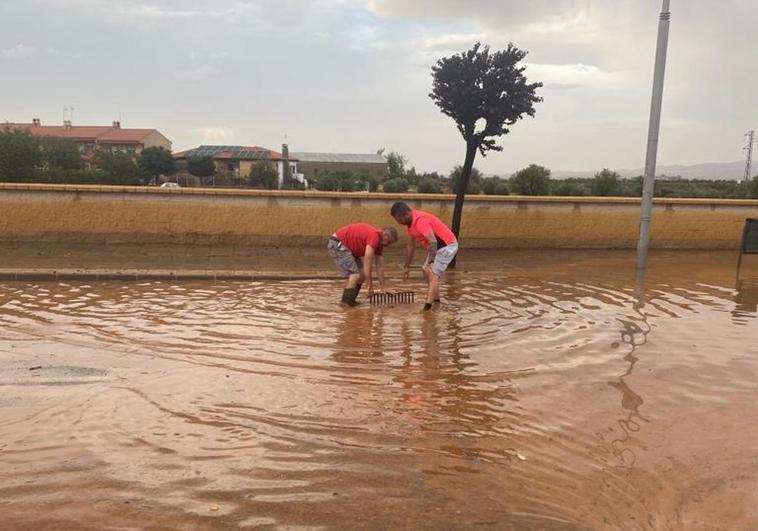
{"points": [[142, 214]]}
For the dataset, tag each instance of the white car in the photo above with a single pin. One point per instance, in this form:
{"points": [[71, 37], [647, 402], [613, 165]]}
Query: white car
{"points": [[170, 185]]}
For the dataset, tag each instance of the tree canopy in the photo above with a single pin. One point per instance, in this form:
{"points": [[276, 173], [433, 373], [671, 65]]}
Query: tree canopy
{"points": [[157, 161], [19, 155], [201, 166]]}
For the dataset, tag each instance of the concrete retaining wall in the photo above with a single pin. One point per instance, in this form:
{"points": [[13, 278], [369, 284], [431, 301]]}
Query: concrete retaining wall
{"points": [[252, 217]]}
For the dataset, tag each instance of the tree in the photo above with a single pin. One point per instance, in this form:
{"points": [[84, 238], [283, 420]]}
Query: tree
{"points": [[61, 154], [117, 164], [606, 183], [474, 183], [263, 174], [484, 93], [19, 155], [532, 180], [395, 165], [201, 166], [157, 161]]}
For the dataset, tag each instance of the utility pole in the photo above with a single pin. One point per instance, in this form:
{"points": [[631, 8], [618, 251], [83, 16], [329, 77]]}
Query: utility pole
{"points": [[654, 127], [749, 148]]}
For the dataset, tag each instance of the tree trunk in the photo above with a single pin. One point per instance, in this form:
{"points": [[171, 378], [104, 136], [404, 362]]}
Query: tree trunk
{"points": [[460, 193]]}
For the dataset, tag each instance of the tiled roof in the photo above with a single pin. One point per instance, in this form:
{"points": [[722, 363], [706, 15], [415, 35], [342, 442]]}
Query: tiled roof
{"points": [[372, 158], [93, 133], [233, 153]]}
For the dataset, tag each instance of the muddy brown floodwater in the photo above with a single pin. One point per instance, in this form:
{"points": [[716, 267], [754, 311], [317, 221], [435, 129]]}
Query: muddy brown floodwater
{"points": [[542, 394]]}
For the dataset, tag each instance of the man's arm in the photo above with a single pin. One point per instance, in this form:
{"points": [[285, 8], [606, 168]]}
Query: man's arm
{"points": [[368, 259], [410, 250], [380, 272]]}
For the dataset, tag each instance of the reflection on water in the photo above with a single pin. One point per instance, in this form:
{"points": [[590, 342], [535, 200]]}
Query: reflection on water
{"points": [[540, 401]]}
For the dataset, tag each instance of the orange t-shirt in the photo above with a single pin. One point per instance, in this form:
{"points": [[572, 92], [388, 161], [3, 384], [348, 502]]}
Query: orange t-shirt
{"points": [[422, 222]]}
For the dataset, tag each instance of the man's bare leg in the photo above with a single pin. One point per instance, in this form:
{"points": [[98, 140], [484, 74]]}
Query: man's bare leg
{"points": [[434, 290]]}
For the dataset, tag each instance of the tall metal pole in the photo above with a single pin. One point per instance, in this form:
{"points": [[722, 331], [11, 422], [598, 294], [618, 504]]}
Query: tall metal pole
{"points": [[652, 135], [749, 148]]}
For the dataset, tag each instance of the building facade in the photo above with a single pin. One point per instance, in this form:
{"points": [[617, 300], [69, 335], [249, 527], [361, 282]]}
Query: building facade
{"points": [[313, 164], [235, 162], [89, 139]]}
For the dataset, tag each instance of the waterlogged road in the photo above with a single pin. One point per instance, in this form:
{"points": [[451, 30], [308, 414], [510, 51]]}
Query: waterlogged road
{"points": [[552, 396]]}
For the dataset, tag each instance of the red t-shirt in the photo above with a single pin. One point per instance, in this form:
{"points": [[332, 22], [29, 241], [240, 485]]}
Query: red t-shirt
{"points": [[422, 222], [358, 235]]}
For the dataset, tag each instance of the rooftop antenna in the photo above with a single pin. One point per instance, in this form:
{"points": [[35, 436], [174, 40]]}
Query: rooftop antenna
{"points": [[749, 148]]}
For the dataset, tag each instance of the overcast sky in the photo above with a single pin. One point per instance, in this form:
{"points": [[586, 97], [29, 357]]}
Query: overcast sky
{"points": [[354, 75]]}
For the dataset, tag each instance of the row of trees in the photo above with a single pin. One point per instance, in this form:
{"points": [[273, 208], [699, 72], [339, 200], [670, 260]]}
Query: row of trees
{"points": [[536, 180], [26, 158]]}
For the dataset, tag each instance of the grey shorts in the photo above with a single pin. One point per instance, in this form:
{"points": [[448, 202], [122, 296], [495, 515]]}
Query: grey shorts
{"points": [[443, 258], [343, 258]]}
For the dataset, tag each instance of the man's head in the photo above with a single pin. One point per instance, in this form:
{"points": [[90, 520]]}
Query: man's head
{"points": [[402, 213], [389, 236]]}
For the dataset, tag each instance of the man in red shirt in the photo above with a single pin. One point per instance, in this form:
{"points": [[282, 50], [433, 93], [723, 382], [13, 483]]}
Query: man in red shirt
{"points": [[353, 248], [438, 240]]}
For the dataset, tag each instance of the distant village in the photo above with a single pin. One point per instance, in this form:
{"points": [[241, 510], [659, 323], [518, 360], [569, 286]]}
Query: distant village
{"points": [[230, 163]]}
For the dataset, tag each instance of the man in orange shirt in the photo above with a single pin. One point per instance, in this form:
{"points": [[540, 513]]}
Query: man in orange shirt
{"points": [[438, 240], [353, 248]]}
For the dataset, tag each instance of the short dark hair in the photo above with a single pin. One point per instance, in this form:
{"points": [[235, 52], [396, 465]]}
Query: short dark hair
{"points": [[399, 208]]}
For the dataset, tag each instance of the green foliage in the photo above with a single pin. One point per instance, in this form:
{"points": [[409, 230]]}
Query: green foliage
{"points": [[753, 187], [477, 86], [63, 154], [501, 188], [474, 183], [569, 188], [117, 164], [395, 186], [429, 185], [339, 181], [395, 165], [19, 155], [157, 161], [201, 166], [263, 174], [490, 184], [532, 180], [60, 176], [607, 183]]}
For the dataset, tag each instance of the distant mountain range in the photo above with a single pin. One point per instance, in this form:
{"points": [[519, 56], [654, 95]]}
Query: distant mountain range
{"points": [[708, 171]]}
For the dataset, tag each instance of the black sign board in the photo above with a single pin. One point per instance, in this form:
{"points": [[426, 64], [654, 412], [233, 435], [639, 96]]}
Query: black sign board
{"points": [[750, 236]]}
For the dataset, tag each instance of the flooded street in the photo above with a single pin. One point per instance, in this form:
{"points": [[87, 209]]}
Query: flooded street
{"points": [[542, 394]]}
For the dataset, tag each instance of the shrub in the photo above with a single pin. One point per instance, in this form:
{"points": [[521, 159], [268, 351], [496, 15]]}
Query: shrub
{"points": [[501, 188], [394, 186], [429, 186]]}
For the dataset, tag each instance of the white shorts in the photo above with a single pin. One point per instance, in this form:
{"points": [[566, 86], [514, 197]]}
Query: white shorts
{"points": [[443, 258]]}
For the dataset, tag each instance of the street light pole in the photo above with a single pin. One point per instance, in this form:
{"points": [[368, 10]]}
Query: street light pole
{"points": [[654, 127]]}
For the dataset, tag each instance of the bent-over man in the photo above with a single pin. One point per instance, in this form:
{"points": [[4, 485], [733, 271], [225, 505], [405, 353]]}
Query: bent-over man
{"points": [[353, 249], [438, 240]]}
